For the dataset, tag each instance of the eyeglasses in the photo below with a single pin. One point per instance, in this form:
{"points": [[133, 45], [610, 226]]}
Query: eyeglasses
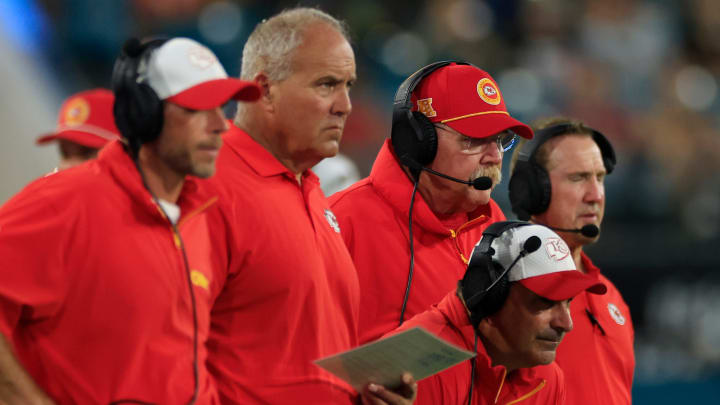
{"points": [[504, 140]]}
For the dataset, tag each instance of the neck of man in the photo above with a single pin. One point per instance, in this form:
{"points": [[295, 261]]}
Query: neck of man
{"points": [[498, 355], [577, 257], [264, 135], [161, 180]]}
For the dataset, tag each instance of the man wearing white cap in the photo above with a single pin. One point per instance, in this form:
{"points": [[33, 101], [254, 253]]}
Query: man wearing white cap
{"points": [[512, 309], [107, 277], [85, 124]]}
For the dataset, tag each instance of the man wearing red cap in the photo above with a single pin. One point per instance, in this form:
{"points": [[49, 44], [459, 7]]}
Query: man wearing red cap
{"points": [[85, 124], [512, 309], [558, 180], [101, 299], [449, 120]]}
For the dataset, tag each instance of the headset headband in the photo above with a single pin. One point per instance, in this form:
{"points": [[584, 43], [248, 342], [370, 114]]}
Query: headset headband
{"points": [[527, 153]]}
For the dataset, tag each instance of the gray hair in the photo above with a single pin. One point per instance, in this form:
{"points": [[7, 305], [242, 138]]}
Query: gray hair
{"points": [[271, 45]]}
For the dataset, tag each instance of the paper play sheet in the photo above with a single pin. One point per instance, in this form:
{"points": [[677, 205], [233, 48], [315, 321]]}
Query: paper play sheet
{"points": [[383, 362]]}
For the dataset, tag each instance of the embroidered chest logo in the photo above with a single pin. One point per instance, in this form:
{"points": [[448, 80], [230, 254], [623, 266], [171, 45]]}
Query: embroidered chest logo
{"points": [[488, 91], [425, 107], [616, 314], [332, 220], [556, 249]]}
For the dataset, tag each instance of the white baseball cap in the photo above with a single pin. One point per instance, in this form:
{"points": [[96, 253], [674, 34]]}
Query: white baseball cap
{"points": [[550, 270], [187, 73]]}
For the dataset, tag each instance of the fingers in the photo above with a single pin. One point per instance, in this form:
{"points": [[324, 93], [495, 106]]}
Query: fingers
{"points": [[375, 394]]}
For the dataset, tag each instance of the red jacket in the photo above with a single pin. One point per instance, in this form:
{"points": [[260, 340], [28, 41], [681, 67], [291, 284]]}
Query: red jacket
{"points": [[292, 293], [598, 360], [492, 385], [94, 295], [373, 216]]}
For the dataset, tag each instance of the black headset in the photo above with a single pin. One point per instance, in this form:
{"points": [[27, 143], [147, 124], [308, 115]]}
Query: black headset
{"points": [[138, 110], [485, 286], [413, 135], [530, 183]]}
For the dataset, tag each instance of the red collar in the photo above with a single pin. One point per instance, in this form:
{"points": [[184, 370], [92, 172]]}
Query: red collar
{"points": [[115, 159], [257, 157]]}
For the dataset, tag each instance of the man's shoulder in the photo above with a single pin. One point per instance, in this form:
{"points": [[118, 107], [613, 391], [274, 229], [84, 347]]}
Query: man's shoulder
{"points": [[75, 189], [354, 197]]}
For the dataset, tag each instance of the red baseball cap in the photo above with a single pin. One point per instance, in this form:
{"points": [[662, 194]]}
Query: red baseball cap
{"points": [[466, 99], [86, 118], [187, 73], [548, 271]]}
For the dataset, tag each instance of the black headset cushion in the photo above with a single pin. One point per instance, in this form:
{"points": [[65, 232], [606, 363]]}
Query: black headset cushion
{"points": [[494, 299], [428, 142], [414, 146], [530, 190]]}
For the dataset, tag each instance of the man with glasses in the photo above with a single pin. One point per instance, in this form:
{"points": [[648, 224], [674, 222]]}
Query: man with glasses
{"points": [[411, 233]]}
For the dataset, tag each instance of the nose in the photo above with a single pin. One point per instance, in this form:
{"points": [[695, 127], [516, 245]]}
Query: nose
{"points": [[217, 120], [342, 104], [562, 320], [595, 192], [491, 155]]}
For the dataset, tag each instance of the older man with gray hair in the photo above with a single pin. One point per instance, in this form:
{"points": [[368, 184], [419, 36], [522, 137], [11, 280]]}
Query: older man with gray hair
{"points": [[291, 294]]}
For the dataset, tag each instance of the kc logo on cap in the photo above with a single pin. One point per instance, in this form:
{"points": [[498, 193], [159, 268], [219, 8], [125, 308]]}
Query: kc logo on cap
{"points": [[201, 57], [556, 249], [76, 112], [488, 91]]}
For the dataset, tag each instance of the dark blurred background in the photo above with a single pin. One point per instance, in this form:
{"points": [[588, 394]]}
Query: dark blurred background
{"points": [[644, 72]]}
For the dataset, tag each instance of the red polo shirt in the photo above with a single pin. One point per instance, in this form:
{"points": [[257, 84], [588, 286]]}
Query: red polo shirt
{"points": [[292, 293], [492, 385], [598, 358], [373, 215], [94, 295]]}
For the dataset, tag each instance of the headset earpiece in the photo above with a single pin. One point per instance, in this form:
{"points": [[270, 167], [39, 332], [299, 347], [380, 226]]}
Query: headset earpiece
{"points": [[484, 286], [137, 110], [530, 188]]}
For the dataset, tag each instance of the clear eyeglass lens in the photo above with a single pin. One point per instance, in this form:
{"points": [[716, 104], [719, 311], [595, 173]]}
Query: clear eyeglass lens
{"points": [[506, 140]]}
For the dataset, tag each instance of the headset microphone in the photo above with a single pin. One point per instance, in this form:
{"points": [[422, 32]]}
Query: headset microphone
{"points": [[588, 231], [480, 183], [531, 244]]}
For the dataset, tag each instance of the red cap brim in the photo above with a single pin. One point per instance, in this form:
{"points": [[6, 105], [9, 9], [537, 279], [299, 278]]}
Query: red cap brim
{"points": [[563, 285], [215, 93], [79, 137], [488, 124]]}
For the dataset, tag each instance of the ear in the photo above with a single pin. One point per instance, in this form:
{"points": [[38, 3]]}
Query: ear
{"points": [[263, 81]]}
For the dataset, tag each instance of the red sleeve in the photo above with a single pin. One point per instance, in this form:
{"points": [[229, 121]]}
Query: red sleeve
{"points": [[431, 391], [32, 240]]}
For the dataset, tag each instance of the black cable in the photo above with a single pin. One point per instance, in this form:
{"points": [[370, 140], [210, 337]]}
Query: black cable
{"points": [[412, 255]]}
